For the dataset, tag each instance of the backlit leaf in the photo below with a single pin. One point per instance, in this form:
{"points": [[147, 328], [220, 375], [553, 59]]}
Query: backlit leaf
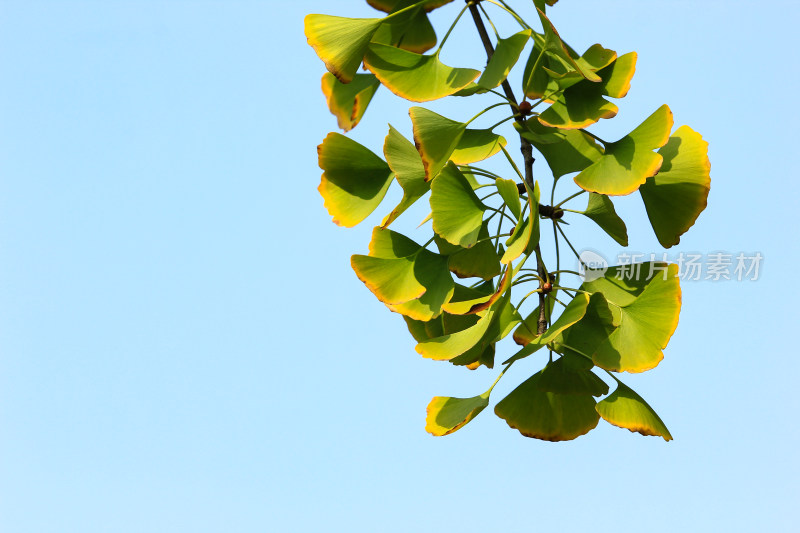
{"points": [[457, 210], [627, 163], [436, 137], [626, 409], [446, 415], [550, 416], [348, 102], [601, 210], [565, 151], [526, 233], [406, 163], [416, 77], [354, 180], [503, 60], [340, 42], [480, 261], [510, 195], [676, 196]]}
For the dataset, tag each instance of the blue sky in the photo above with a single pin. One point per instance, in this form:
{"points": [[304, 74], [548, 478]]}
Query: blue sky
{"points": [[183, 346]]}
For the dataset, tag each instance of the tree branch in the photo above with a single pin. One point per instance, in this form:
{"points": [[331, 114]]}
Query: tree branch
{"points": [[525, 148]]}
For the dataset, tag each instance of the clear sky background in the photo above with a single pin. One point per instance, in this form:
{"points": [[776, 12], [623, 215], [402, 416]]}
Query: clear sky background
{"points": [[184, 347]]}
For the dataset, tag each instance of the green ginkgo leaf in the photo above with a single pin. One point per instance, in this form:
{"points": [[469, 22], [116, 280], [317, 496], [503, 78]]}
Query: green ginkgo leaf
{"points": [[527, 330], [627, 163], [555, 46], [415, 77], [626, 409], [476, 145], [436, 137], [571, 374], [583, 103], [406, 163], [544, 415], [593, 329], [411, 30], [439, 140], [457, 210], [510, 195], [645, 327], [480, 260], [348, 102], [601, 210], [475, 338], [354, 180], [503, 60], [407, 278], [676, 196], [340, 42], [392, 281], [446, 415], [565, 151], [465, 298], [526, 233]]}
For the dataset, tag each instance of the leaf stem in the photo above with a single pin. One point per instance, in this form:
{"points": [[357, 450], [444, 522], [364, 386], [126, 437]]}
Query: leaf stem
{"points": [[513, 164], [484, 111], [452, 27], [562, 202]]}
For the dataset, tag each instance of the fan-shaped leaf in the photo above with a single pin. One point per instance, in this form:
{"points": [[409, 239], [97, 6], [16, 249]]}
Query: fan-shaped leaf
{"points": [[406, 277], [435, 137], [476, 338], [348, 102], [565, 151], [503, 60], [465, 298], [628, 162], [447, 415], [571, 374], [415, 77], [480, 261], [476, 145], [582, 104], [457, 210], [340, 42], [406, 163], [550, 416], [676, 196], [626, 409], [601, 210], [354, 180]]}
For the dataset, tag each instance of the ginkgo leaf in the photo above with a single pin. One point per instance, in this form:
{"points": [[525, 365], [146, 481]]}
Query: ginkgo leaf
{"points": [[446, 415], [480, 260], [544, 415], [410, 30], [645, 327], [676, 196], [571, 374], [340, 42], [582, 104], [465, 298], [457, 210], [348, 102], [601, 210], [407, 278], [510, 195], [476, 145], [626, 409], [406, 163], [354, 180], [439, 140], [554, 45], [503, 60], [477, 337], [565, 151], [526, 233], [436, 137], [415, 77], [627, 163]]}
